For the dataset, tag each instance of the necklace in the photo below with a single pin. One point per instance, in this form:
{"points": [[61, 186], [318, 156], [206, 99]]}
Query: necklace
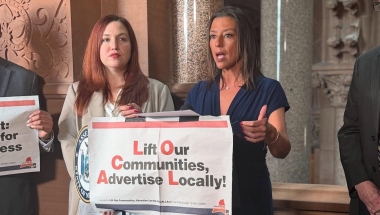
{"points": [[235, 84], [231, 86], [228, 87]]}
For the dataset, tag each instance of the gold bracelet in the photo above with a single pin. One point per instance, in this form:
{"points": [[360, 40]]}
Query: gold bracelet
{"points": [[278, 134]]}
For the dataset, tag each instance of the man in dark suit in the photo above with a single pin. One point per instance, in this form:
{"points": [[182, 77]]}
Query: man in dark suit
{"points": [[359, 136], [15, 190]]}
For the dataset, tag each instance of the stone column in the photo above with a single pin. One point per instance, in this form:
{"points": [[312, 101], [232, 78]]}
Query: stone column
{"points": [[286, 53], [190, 20], [339, 177], [335, 85]]}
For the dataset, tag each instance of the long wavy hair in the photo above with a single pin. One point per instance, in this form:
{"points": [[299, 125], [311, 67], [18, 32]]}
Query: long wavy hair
{"points": [[248, 49], [94, 78]]}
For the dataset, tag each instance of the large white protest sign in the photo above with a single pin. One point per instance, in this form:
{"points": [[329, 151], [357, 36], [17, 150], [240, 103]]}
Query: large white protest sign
{"points": [[161, 167], [19, 149]]}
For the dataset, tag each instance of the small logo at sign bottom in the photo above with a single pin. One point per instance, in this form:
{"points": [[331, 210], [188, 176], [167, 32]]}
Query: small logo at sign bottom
{"points": [[221, 208], [28, 163]]}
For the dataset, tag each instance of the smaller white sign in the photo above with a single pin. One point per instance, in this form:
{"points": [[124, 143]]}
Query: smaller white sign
{"points": [[19, 147]]}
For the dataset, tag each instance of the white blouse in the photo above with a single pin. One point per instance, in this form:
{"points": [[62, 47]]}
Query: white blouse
{"points": [[111, 108]]}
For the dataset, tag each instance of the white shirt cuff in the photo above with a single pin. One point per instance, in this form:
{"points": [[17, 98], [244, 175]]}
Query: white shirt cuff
{"points": [[46, 144]]}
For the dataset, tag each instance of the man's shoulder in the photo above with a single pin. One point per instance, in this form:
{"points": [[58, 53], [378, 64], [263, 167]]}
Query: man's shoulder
{"points": [[16, 68], [369, 55]]}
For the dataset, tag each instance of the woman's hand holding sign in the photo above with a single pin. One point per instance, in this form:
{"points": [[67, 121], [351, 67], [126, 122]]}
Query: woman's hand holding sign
{"points": [[130, 110]]}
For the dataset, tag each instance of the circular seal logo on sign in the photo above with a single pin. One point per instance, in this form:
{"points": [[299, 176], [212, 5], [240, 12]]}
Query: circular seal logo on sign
{"points": [[81, 165]]}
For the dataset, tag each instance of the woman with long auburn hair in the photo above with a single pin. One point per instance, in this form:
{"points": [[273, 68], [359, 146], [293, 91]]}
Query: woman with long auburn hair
{"points": [[112, 85]]}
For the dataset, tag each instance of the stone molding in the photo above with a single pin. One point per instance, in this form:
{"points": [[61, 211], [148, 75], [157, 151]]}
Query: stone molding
{"points": [[335, 86], [345, 25]]}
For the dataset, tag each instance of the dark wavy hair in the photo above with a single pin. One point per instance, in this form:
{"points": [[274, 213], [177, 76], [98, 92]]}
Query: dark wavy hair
{"points": [[248, 50], [94, 78]]}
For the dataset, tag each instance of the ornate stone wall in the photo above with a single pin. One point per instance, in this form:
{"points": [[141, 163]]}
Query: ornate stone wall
{"points": [[35, 36]]}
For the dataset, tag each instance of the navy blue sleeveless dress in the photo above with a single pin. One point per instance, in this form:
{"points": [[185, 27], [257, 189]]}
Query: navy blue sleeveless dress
{"points": [[252, 191]]}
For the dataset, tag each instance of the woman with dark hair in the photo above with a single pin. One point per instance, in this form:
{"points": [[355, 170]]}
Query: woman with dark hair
{"points": [[256, 106], [112, 85]]}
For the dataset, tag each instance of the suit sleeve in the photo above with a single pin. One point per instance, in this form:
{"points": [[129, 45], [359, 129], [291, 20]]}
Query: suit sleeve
{"points": [[351, 153], [41, 96], [34, 90], [49, 147], [68, 130]]}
